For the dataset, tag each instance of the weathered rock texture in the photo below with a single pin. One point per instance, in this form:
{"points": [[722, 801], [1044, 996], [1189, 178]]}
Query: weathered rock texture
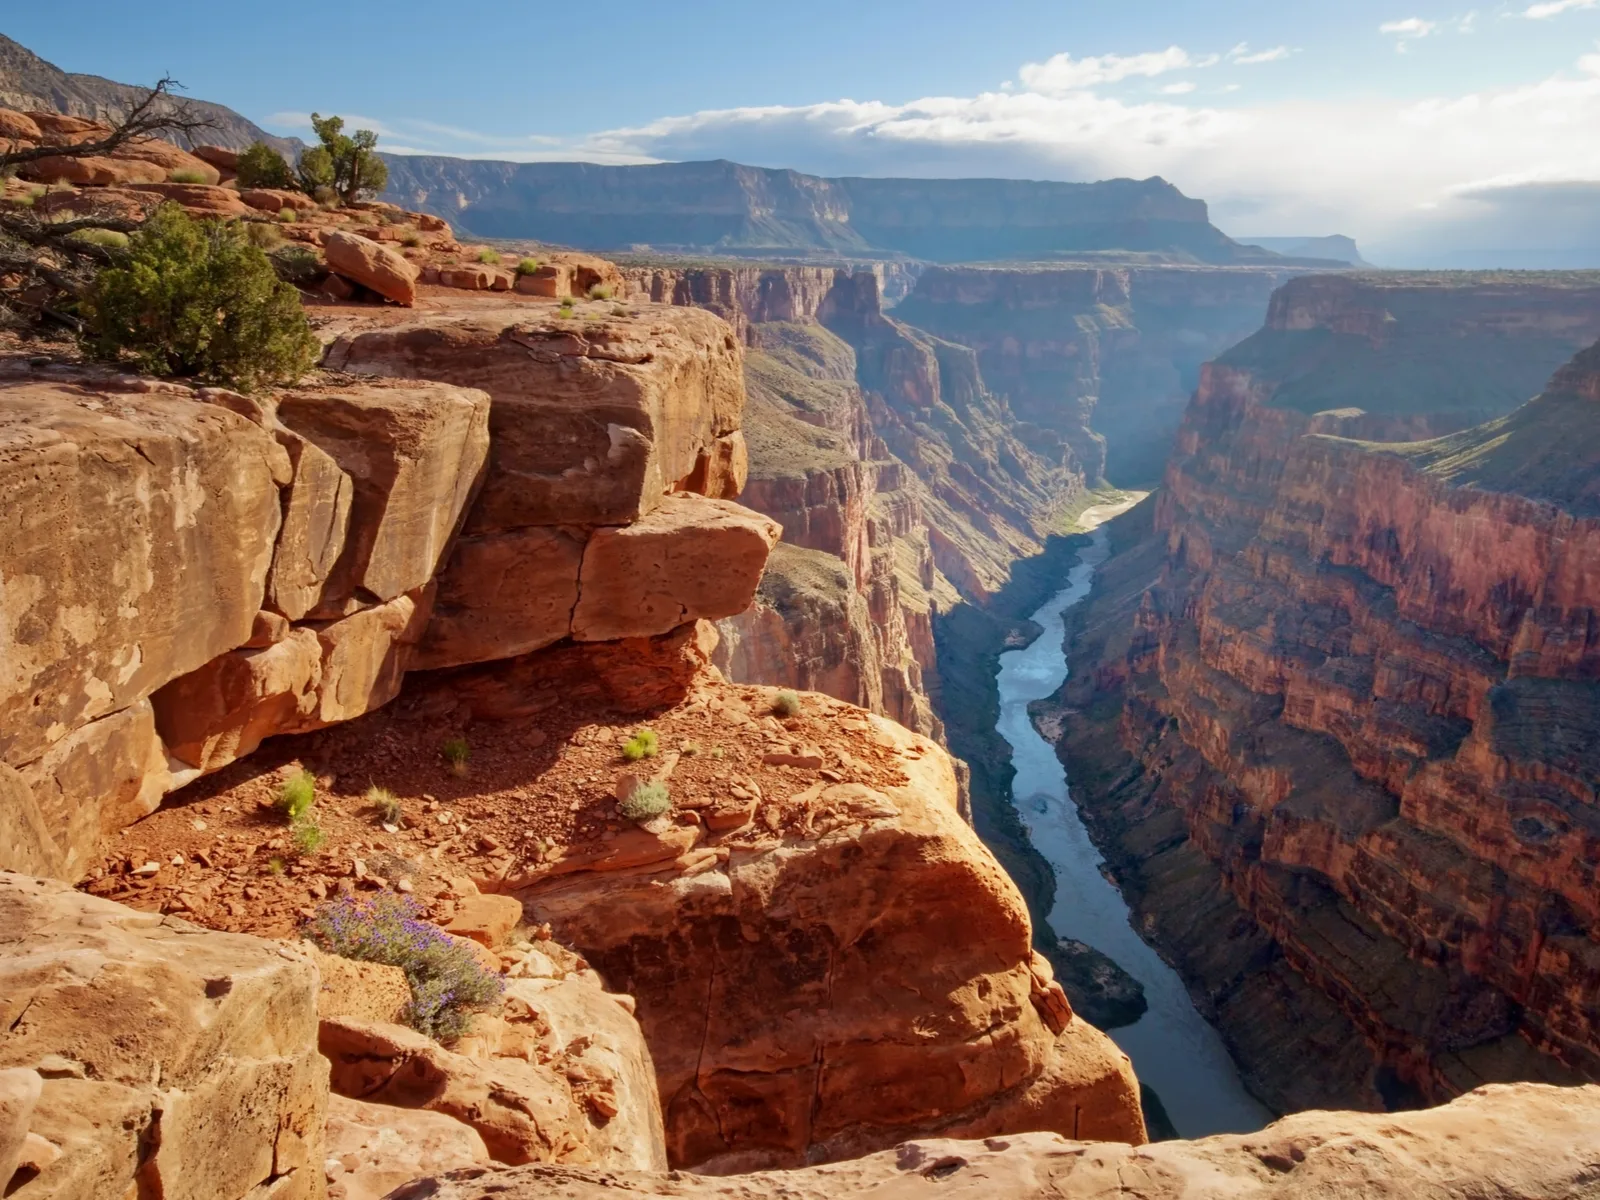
{"points": [[175, 1061], [192, 571], [1355, 684], [1524, 1140], [804, 996]]}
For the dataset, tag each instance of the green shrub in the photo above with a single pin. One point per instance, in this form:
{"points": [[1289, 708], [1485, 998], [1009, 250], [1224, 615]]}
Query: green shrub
{"points": [[295, 263], [447, 982], [489, 257], [527, 266], [297, 795], [566, 307], [387, 805], [197, 298], [412, 238], [109, 238], [648, 801], [644, 744], [263, 234], [326, 196], [263, 167], [456, 755], [188, 175], [307, 837], [786, 704], [600, 292], [288, 215]]}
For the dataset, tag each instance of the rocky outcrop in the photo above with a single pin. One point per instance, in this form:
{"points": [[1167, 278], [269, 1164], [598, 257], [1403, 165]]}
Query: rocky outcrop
{"points": [[1519, 1140], [171, 1059], [1105, 357], [372, 266], [1324, 689]]}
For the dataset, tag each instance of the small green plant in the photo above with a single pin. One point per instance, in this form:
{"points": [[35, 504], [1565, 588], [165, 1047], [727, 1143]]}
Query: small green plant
{"points": [[566, 307], [275, 865], [387, 805], [600, 292], [647, 801], [718, 752], [786, 704], [456, 755], [644, 744], [295, 263], [263, 167], [307, 837], [689, 749], [448, 983], [263, 234], [296, 796], [188, 175], [489, 257], [527, 266], [109, 238], [618, 310], [198, 298], [288, 215], [411, 238]]}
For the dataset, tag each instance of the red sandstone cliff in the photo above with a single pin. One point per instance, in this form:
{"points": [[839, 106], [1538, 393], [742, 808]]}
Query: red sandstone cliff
{"points": [[1361, 676]]}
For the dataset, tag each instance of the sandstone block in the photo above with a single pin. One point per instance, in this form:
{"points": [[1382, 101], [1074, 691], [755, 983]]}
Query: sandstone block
{"points": [[207, 200], [276, 199], [487, 920], [364, 991], [374, 1148], [19, 1094], [55, 125], [590, 426], [372, 265], [177, 1059], [524, 1112], [92, 171], [316, 520], [19, 126], [471, 277], [504, 594], [414, 453], [689, 558], [167, 157], [218, 156], [141, 535]]}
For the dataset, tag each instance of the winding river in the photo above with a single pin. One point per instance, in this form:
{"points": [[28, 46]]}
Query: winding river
{"points": [[1174, 1050]]}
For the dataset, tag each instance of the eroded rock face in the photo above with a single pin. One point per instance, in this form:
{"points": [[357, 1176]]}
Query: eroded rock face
{"points": [[1340, 667], [763, 980], [1517, 1140], [172, 1057]]}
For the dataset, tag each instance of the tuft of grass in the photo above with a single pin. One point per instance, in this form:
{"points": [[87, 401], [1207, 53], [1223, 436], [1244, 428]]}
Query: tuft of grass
{"points": [[448, 983], [718, 752], [188, 175], [600, 292], [387, 805], [110, 239], [644, 744], [288, 215], [786, 704], [527, 266], [689, 749], [275, 865], [263, 234], [649, 800], [297, 795], [307, 836], [489, 257], [456, 755], [566, 307], [618, 310], [411, 238]]}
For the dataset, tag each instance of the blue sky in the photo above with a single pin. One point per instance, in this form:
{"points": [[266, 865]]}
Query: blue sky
{"points": [[1405, 124]]}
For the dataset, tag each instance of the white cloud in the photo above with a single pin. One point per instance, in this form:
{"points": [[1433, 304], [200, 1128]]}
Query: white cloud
{"points": [[1178, 89], [1063, 73], [1554, 8], [1241, 54]]}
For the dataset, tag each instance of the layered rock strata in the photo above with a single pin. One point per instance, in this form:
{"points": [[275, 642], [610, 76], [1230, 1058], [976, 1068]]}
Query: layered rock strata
{"points": [[1350, 683], [1519, 1140], [193, 571]]}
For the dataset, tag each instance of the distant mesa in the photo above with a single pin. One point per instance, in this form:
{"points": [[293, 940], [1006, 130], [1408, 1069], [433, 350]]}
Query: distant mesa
{"points": [[1336, 247]]}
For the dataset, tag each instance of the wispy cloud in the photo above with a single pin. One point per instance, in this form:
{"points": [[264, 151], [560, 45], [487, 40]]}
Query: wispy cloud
{"points": [[1554, 8], [1407, 31], [1244, 57], [1182, 88], [1063, 73]]}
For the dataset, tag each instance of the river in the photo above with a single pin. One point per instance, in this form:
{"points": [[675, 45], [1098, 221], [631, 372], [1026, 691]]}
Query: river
{"points": [[1174, 1049]]}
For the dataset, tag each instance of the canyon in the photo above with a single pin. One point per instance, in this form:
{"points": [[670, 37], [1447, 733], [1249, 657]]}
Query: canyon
{"points": [[1332, 693]]}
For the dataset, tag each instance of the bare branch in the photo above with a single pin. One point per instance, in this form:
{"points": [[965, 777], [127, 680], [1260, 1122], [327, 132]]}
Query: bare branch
{"points": [[157, 115]]}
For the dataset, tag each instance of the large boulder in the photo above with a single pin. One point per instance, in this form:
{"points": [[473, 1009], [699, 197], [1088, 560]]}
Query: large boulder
{"points": [[414, 453], [201, 199], [593, 423], [688, 558], [374, 1148], [19, 126], [374, 266], [176, 1061], [141, 533]]}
